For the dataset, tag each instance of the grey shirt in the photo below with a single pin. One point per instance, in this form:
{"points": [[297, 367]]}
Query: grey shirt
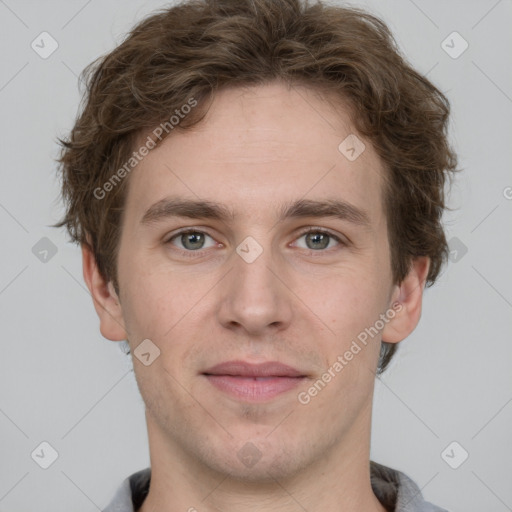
{"points": [[395, 490]]}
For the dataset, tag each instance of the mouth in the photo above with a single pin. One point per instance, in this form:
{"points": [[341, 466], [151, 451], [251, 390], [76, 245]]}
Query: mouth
{"points": [[254, 382]]}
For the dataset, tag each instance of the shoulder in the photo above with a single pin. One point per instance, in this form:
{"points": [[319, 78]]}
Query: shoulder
{"points": [[131, 493], [396, 491]]}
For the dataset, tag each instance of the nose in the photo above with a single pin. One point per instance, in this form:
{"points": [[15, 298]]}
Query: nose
{"points": [[256, 296]]}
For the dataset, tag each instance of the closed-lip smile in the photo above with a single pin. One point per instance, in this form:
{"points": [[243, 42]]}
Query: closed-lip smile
{"points": [[254, 382]]}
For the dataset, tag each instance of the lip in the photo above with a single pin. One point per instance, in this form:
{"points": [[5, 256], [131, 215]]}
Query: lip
{"points": [[245, 369], [254, 382]]}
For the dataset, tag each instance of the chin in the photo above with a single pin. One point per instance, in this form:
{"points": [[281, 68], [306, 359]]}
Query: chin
{"points": [[262, 460]]}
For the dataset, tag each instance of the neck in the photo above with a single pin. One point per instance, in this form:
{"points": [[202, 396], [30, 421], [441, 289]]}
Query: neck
{"points": [[339, 480]]}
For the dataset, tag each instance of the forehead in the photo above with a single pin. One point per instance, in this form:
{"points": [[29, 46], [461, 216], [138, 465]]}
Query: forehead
{"points": [[258, 147]]}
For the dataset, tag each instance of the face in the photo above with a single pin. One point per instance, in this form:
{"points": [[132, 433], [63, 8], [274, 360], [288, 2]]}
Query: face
{"points": [[265, 274]]}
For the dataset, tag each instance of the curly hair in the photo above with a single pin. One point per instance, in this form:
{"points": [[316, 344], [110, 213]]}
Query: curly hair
{"points": [[193, 49]]}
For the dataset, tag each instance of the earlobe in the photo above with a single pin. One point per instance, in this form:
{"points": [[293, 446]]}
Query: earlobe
{"points": [[105, 299], [406, 302]]}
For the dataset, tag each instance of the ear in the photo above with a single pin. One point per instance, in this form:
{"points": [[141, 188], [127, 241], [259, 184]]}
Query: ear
{"points": [[106, 301], [406, 302]]}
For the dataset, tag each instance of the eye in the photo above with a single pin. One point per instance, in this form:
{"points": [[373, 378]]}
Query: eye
{"points": [[319, 239], [190, 240]]}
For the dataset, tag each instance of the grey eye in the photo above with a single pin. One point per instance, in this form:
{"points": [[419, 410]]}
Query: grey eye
{"points": [[191, 240], [318, 240]]}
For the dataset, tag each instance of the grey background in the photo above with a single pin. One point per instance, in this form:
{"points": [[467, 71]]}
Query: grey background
{"points": [[62, 383]]}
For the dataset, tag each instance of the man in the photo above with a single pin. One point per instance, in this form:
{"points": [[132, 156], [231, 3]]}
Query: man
{"points": [[257, 187]]}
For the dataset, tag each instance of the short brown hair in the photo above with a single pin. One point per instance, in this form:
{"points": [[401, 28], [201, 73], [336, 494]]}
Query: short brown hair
{"points": [[195, 48]]}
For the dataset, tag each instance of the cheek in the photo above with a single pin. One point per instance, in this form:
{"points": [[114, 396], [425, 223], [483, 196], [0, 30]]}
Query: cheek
{"points": [[347, 303], [149, 309], [165, 306], [151, 300], [350, 306]]}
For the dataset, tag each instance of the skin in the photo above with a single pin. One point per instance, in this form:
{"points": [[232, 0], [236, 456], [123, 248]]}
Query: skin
{"points": [[257, 148]]}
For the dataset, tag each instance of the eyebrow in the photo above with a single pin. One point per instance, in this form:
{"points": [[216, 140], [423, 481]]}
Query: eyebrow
{"points": [[194, 209]]}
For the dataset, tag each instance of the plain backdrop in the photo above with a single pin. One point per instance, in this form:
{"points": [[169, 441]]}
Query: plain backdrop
{"points": [[62, 383]]}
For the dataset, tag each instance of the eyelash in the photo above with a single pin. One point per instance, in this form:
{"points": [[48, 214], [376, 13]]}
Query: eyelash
{"points": [[199, 252]]}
